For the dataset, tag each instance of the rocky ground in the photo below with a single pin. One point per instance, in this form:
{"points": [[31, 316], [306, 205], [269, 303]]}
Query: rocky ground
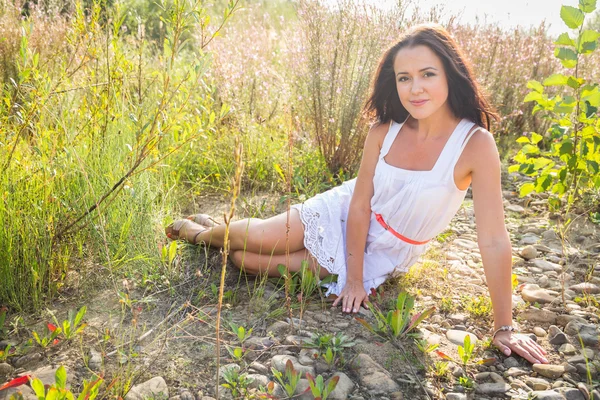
{"points": [[157, 333]]}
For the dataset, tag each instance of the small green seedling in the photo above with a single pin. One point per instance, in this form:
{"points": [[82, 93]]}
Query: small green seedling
{"points": [[73, 324], [466, 382], [59, 391], [237, 383], [50, 336], [291, 379], [319, 389], [241, 332], [237, 353], [398, 322], [425, 347]]}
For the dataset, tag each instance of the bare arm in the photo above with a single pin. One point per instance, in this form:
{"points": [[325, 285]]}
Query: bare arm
{"points": [[494, 243], [357, 226]]}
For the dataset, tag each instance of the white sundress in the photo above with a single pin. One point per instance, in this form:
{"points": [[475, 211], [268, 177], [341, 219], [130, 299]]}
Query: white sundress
{"points": [[417, 204]]}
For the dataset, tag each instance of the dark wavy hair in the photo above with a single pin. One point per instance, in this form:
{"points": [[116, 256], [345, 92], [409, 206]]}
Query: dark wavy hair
{"points": [[465, 98]]}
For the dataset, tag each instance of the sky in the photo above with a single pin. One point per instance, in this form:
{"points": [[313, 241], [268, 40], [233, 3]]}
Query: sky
{"points": [[507, 13]]}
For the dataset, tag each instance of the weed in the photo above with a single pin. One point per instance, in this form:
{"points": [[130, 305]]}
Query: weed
{"points": [[441, 369], [51, 333], [3, 330], [237, 383], [477, 307], [319, 389], [425, 347], [466, 382], [398, 322], [237, 353], [447, 305], [289, 380], [58, 390], [241, 332], [73, 324]]}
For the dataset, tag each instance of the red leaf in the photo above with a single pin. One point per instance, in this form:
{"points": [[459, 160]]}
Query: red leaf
{"points": [[51, 327], [55, 342], [443, 355], [21, 380]]}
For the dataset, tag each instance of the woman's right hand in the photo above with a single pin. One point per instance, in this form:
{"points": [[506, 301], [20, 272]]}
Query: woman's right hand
{"points": [[352, 296]]}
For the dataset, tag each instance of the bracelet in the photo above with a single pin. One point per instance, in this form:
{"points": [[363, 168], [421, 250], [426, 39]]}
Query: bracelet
{"points": [[504, 328]]}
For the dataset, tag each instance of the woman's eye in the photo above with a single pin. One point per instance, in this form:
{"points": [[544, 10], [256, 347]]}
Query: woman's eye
{"points": [[429, 74], [402, 79]]}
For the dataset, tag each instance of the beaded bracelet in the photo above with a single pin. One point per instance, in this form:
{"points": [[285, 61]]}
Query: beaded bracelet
{"points": [[504, 328]]}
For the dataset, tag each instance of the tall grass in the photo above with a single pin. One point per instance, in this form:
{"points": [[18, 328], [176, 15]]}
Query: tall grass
{"points": [[83, 143]]}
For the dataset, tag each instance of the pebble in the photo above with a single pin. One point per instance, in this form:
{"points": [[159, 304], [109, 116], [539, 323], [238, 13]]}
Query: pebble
{"points": [[515, 208], [549, 370], [587, 332], [539, 332], [456, 396], [586, 287], [373, 376], [547, 395], [541, 316], [546, 265], [534, 294], [567, 349], [458, 337], [574, 394], [153, 388], [279, 361], [511, 362], [537, 383], [6, 369], [492, 388], [528, 252], [344, 387], [515, 372]]}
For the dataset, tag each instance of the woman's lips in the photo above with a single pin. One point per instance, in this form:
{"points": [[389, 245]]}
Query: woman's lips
{"points": [[418, 103]]}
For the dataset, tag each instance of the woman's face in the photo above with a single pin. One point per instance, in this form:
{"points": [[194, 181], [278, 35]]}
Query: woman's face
{"points": [[421, 81]]}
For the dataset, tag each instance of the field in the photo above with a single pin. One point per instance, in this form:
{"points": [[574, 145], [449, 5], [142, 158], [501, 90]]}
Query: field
{"points": [[118, 117]]}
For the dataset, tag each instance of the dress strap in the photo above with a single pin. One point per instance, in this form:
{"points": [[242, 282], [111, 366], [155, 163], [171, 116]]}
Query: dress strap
{"points": [[389, 138], [459, 146]]}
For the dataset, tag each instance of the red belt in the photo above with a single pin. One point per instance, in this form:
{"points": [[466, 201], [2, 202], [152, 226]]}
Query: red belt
{"points": [[393, 232]]}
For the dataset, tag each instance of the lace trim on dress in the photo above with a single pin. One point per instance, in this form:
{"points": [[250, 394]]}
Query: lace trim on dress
{"points": [[314, 243]]}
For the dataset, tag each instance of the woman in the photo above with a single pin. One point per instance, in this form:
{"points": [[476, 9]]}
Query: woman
{"points": [[428, 146]]}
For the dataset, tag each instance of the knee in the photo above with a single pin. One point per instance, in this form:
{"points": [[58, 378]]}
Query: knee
{"points": [[237, 257]]}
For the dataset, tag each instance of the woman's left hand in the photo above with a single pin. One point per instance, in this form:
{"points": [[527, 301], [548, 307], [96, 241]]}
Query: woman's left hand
{"points": [[523, 345]]}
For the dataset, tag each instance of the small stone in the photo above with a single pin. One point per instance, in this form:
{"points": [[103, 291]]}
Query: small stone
{"points": [[586, 287], [587, 353], [187, 395], [588, 332], [154, 388], [534, 294], [536, 315], [456, 396], [515, 208], [556, 336], [528, 252], [567, 349], [547, 395], [28, 360], [458, 337], [511, 362], [279, 361], [344, 387], [549, 370], [492, 388], [279, 328], [515, 371], [573, 394], [258, 367], [373, 376], [95, 361], [6, 369], [537, 383], [539, 332], [546, 265]]}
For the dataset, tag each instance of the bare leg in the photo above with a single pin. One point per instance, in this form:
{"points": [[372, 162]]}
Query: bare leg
{"points": [[256, 264], [253, 235]]}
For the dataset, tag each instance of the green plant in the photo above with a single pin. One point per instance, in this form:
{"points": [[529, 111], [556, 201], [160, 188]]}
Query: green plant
{"points": [[447, 305], [319, 389], [51, 333], [58, 390], [466, 351], [425, 347], [466, 382], [73, 324], [3, 330], [237, 353], [237, 383], [398, 322], [441, 369], [5, 353], [478, 307], [290, 380], [241, 332], [329, 346]]}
